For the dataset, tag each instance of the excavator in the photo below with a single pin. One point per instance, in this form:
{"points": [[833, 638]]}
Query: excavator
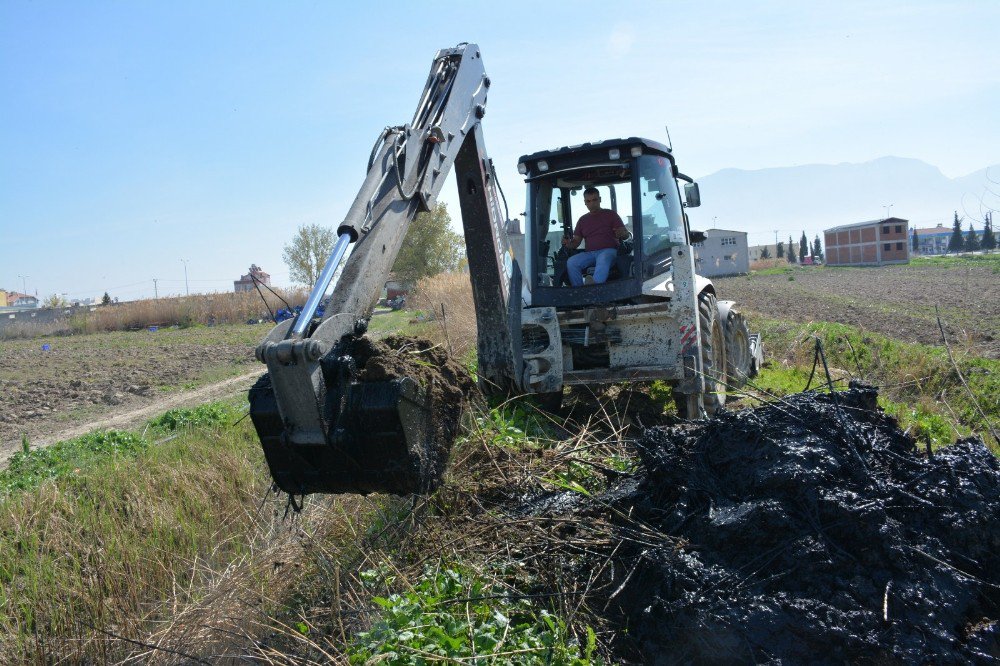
{"points": [[654, 318]]}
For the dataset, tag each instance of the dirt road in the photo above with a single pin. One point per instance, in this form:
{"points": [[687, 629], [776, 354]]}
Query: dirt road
{"points": [[132, 417], [53, 388]]}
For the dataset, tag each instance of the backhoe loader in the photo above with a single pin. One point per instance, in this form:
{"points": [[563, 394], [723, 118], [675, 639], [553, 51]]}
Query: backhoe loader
{"points": [[654, 318]]}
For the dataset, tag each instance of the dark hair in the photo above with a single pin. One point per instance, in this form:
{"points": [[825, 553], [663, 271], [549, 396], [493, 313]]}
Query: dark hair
{"points": [[591, 190]]}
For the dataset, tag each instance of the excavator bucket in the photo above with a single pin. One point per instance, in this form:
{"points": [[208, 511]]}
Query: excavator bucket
{"points": [[381, 440]]}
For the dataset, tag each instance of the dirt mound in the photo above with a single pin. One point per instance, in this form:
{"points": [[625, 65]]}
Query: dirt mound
{"points": [[810, 530]]}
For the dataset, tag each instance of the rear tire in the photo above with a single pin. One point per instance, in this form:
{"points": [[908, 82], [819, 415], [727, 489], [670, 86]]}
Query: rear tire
{"points": [[739, 360], [713, 360]]}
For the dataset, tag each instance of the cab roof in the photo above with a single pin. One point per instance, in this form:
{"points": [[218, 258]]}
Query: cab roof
{"points": [[597, 145]]}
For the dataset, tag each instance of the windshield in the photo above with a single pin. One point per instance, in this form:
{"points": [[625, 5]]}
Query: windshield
{"points": [[662, 219], [557, 206]]}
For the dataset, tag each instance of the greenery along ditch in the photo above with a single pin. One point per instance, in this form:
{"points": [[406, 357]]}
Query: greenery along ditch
{"points": [[96, 530], [113, 537]]}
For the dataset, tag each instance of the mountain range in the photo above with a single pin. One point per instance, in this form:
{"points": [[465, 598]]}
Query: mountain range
{"points": [[815, 197]]}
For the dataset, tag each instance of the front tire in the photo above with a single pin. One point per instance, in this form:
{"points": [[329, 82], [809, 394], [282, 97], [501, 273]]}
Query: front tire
{"points": [[713, 361]]}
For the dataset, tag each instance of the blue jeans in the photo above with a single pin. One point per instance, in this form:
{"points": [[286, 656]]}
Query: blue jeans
{"points": [[602, 260]]}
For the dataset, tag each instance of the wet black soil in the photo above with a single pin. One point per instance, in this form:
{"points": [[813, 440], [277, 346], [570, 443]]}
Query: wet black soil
{"points": [[811, 531]]}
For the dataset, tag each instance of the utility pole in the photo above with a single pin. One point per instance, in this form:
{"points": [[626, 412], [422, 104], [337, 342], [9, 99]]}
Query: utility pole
{"points": [[24, 284], [775, 240], [156, 293], [187, 290], [887, 209]]}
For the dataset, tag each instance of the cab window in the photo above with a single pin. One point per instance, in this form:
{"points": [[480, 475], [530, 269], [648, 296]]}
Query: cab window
{"points": [[662, 219]]}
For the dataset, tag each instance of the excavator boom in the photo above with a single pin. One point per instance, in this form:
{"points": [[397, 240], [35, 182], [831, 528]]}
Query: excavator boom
{"points": [[321, 429]]}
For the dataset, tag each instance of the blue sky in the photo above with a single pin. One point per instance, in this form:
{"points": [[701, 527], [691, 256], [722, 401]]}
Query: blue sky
{"points": [[135, 135]]}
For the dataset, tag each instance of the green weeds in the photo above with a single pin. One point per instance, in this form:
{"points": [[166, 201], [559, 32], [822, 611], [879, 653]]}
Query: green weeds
{"points": [[514, 424], [207, 415], [29, 468], [453, 615], [918, 383], [97, 530]]}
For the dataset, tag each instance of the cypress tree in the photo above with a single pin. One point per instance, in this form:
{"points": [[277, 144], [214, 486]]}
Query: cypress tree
{"points": [[989, 241], [791, 251], [781, 249], [957, 241], [817, 248], [803, 246], [916, 241], [971, 240]]}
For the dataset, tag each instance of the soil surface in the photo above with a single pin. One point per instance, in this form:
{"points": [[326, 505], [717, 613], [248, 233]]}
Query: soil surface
{"points": [[80, 382], [896, 301]]}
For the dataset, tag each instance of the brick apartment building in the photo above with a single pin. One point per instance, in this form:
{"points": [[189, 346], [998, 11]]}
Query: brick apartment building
{"points": [[872, 243]]}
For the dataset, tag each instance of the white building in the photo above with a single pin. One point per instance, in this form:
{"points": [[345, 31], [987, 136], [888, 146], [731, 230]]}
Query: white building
{"points": [[723, 252], [757, 252]]}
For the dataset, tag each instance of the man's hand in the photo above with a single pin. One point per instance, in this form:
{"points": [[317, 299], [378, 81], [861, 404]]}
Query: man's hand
{"points": [[572, 242]]}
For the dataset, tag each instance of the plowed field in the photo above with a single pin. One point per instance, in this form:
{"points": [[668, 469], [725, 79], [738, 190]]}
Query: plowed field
{"points": [[86, 377], [896, 301]]}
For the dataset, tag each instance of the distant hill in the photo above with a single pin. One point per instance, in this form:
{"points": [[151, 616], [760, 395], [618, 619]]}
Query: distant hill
{"points": [[813, 197]]}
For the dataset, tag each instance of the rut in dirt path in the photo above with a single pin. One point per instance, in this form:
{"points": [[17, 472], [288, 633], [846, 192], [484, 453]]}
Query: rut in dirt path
{"points": [[134, 417]]}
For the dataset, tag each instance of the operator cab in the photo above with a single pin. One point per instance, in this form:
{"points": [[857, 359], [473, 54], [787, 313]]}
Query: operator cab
{"points": [[636, 178]]}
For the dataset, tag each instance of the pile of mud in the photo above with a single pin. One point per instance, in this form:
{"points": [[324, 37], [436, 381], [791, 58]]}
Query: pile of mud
{"points": [[809, 530]]}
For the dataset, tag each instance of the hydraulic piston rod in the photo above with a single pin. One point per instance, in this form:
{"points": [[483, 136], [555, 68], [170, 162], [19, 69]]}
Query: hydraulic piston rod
{"points": [[309, 309]]}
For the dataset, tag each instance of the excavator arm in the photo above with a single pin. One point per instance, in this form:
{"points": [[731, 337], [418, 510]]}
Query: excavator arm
{"points": [[321, 430]]}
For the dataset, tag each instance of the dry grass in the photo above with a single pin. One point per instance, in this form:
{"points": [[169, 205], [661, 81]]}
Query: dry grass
{"points": [[84, 556], [204, 309], [219, 308], [764, 264], [27, 330], [457, 320]]}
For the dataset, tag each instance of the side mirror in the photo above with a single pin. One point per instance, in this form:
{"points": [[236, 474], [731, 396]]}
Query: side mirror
{"points": [[691, 195]]}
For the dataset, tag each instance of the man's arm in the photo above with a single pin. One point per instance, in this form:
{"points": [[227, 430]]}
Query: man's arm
{"points": [[574, 242], [621, 232]]}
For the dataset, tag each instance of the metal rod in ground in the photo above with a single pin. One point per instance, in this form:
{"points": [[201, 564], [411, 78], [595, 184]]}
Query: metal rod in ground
{"points": [[444, 325]]}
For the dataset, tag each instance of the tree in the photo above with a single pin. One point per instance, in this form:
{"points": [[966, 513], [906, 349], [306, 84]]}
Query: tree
{"points": [[989, 241], [306, 255], [817, 248], [971, 240], [55, 301], [430, 247], [915, 241], [765, 253], [781, 249], [957, 241], [106, 299], [803, 246], [791, 251]]}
